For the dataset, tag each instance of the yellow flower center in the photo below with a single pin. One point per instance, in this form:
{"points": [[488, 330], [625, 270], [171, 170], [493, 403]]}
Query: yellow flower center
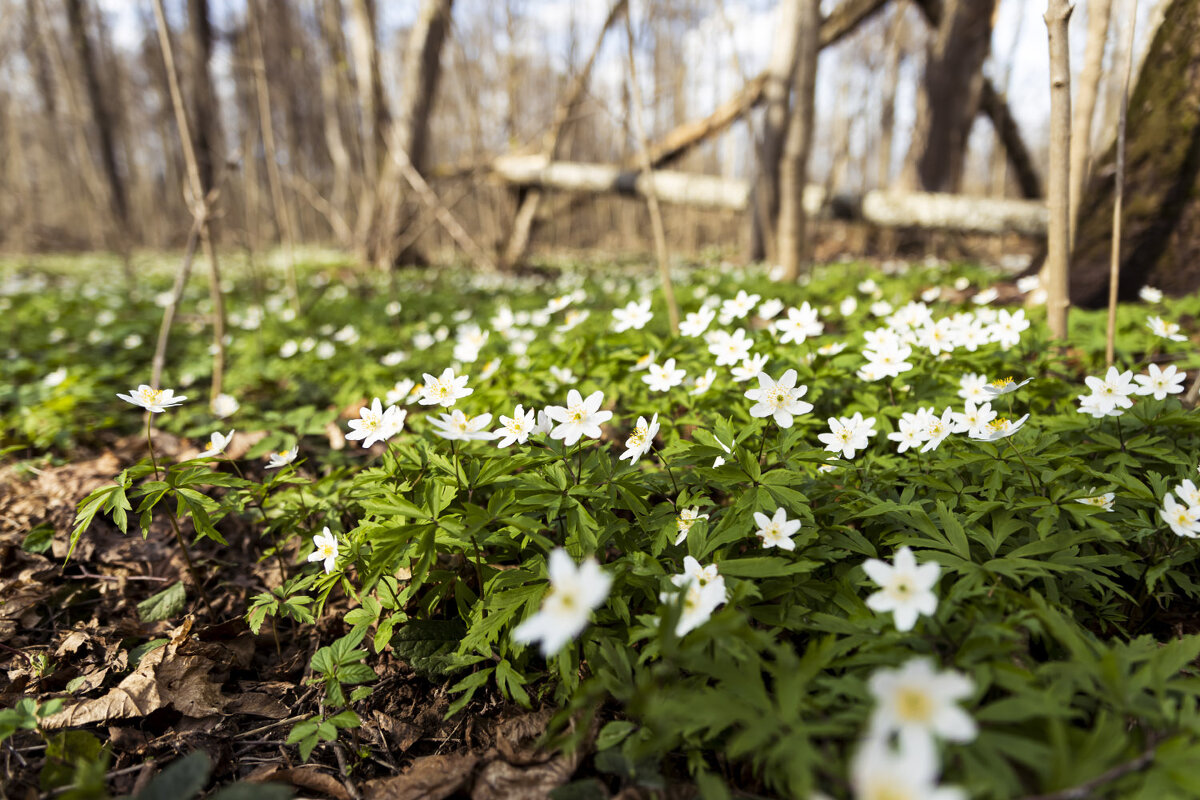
{"points": [[913, 705], [1002, 382]]}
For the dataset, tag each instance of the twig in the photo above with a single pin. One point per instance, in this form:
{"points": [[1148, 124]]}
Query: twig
{"points": [[1084, 790], [339, 750], [647, 170], [1114, 267], [271, 726]]}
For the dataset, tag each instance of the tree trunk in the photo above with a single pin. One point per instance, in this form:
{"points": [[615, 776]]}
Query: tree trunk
{"points": [[205, 116], [373, 107], [522, 227], [1058, 241], [333, 83], [101, 119], [410, 132], [777, 91], [1085, 102], [1161, 215], [791, 236], [949, 96]]}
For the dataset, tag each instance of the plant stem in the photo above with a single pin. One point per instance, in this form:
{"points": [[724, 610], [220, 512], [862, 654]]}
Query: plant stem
{"points": [[454, 453], [150, 442], [1028, 472], [671, 475], [263, 511]]}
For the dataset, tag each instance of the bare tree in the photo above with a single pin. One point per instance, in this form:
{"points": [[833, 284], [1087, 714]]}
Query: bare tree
{"points": [[104, 124], [410, 132], [1058, 17], [793, 173], [372, 106], [1098, 12], [949, 96], [334, 87]]}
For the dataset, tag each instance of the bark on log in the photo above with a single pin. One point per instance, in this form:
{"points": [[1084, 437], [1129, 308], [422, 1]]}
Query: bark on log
{"points": [[1161, 215], [883, 208]]}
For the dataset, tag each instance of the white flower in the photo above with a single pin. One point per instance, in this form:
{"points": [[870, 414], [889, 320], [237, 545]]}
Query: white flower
{"points": [[684, 522], [905, 587], [973, 418], [282, 458], [326, 545], [153, 400], [578, 417], [776, 531], [1188, 493], [489, 369], [376, 424], [1008, 328], [770, 308], [1113, 390], [1149, 294], [563, 375], [1165, 330], [400, 391], [217, 444], [848, 435], [458, 427], [730, 348], [880, 772], [920, 704], [575, 591], [778, 399], [55, 378], [697, 322], [661, 377], [1158, 383], [1002, 386], [937, 429], [750, 368], [1000, 428], [1184, 520], [444, 390], [831, 348], [886, 361], [848, 305], [1104, 501], [971, 387], [326, 351], [703, 591], [643, 362], [910, 432], [634, 316], [641, 438], [224, 405], [800, 324], [704, 382], [740, 306], [517, 427]]}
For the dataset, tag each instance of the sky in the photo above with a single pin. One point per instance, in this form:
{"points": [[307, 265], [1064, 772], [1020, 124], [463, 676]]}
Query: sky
{"points": [[709, 46]]}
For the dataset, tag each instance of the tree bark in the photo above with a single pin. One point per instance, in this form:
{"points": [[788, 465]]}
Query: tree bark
{"points": [[373, 108], [518, 240], [205, 115], [1161, 214], [791, 235], [777, 91], [949, 96], [1058, 246], [1098, 12], [333, 86], [410, 132], [102, 120]]}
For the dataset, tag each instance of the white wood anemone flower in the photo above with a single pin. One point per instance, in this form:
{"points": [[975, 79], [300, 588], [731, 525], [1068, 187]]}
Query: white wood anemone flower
{"points": [[776, 531], [153, 400], [917, 702], [282, 458], [376, 424], [578, 418], [575, 591], [217, 444], [326, 551], [778, 399], [906, 587]]}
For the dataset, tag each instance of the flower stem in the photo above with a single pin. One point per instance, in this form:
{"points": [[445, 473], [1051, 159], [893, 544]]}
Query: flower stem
{"points": [[671, 475], [150, 442], [1028, 471]]}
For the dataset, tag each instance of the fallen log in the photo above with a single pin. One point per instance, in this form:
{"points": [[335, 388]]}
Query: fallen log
{"points": [[886, 209]]}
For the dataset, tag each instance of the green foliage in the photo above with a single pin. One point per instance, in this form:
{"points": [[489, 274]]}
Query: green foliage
{"points": [[1073, 622]]}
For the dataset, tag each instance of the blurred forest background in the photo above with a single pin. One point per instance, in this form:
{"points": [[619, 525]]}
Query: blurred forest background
{"points": [[403, 129]]}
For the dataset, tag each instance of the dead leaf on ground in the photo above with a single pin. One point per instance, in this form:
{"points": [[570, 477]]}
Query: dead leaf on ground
{"points": [[303, 777], [172, 675], [257, 704], [429, 778]]}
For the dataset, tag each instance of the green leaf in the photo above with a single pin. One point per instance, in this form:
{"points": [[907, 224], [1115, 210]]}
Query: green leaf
{"points": [[166, 604], [182, 779], [39, 539]]}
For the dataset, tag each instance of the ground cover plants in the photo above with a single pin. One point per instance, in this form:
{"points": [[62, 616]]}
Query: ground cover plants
{"points": [[870, 535]]}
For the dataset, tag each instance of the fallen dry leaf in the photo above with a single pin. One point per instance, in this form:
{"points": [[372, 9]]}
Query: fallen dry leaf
{"points": [[310, 778], [171, 675], [429, 778]]}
